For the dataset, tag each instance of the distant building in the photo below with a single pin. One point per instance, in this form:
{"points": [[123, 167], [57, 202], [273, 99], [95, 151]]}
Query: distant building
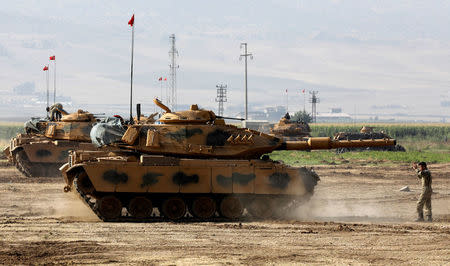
{"points": [[270, 114], [335, 115]]}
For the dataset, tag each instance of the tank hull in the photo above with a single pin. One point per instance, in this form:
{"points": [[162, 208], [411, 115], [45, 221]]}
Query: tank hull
{"points": [[263, 188], [38, 156]]}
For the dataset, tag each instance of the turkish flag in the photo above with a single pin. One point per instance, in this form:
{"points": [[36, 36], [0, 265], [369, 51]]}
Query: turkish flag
{"points": [[160, 79], [165, 79], [52, 57], [45, 68], [303, 91], [131, 22]]}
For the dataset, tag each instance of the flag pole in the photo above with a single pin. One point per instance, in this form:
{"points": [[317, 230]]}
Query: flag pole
{"points": [[131, 84], [304, 101], [160, 83], [54, 82], [287, 101], [46, 74]]}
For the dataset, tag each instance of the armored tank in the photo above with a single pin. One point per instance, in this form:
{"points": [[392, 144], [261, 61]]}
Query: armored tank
{"points": [[44, 146], [193, 161], [365, 132], [290, 130]]}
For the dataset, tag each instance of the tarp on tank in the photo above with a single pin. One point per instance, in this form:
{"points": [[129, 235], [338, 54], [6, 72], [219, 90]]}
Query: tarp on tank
{"points": [[107, 131], [31, 125]]}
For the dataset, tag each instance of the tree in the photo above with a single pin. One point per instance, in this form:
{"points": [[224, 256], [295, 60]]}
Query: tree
{"points": [[302, 116]]}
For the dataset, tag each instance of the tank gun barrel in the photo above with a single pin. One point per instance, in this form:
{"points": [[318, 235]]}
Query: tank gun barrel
{"points": [[325, 143], [231, 118]]}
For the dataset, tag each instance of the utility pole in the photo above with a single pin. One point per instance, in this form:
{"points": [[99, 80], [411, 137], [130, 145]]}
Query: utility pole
{"points": [[245, 55], [221, 97], [173, 53], [314, 100]]}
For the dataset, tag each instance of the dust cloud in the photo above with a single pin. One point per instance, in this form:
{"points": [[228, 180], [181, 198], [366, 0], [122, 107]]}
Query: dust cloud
{"points": [[70, 207], [333, 210]]}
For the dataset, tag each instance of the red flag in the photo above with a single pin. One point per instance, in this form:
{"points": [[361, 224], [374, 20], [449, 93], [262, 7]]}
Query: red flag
{"points": [[165, 79], [45, 68], [131, 22], [160, 79], [52, 57], [303, 91]]}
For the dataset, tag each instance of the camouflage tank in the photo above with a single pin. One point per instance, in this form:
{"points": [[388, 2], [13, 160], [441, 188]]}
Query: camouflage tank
{"points": [[44, 146], [193, 161], [365, 133], [290, 130]]}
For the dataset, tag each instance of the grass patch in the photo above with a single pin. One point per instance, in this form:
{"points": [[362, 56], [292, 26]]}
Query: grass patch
{"points": [[296, 158]]}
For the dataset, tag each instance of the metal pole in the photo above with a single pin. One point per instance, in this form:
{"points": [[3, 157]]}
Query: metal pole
{"points": [[304, 102], [46, 74], [131, 85], [246, 97], [54, 83], [287, 101], [245, 55]]}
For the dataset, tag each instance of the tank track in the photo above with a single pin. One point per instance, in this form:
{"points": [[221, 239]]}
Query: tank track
{"points": [[33, 170], [187, 218]]}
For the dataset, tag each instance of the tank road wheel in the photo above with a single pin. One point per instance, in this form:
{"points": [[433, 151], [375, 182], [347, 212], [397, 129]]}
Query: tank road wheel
{"points": [[231, 207], [174, 208], [262, 208], [140, 207], [109, 207], [84, 184], [203, 207]]}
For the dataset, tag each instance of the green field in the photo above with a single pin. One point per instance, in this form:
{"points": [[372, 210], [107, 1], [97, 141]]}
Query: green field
{"points": [[366, 157], [423, 142]]}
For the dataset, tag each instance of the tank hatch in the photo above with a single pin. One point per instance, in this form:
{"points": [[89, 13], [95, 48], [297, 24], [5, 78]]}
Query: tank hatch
{"points": [[79, 116], [192, 116]]}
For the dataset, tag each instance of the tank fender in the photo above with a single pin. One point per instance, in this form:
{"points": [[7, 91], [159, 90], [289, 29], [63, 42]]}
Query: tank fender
{"points": [[69, 173], [8, 155]]}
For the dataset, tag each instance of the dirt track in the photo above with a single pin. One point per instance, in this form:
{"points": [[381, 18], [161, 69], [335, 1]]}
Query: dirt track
{"points": [[358, 215]]}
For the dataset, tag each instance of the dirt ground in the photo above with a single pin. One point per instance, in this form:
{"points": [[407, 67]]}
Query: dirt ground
{"points": [[357, 216]]}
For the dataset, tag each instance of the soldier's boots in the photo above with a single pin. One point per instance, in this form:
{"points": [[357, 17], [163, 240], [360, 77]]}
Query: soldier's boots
{"points": [[429, 219], [420, 218]]}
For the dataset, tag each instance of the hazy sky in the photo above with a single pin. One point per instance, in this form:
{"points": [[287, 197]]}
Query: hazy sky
{"points": [[358, 54]]}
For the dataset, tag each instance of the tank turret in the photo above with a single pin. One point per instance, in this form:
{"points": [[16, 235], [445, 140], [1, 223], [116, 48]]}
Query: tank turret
{"points": [[289, 129], [199, 133], [193, 161]]}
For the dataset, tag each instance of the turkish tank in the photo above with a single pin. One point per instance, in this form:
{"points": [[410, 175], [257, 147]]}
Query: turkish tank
{"points": [[290, 130], [44, 146], [193, 162], [365, 133]]}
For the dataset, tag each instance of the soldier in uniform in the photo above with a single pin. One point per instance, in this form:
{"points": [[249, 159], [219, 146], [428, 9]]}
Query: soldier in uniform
{"points": [[425, 197], [56, 112]]}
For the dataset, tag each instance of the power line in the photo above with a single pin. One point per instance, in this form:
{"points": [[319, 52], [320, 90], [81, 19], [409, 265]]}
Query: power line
{"points": [[221, 97], [314, 100], [173, 53], [245, 55]]}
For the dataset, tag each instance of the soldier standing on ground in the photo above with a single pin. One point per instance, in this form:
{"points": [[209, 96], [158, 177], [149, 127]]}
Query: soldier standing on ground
{"points": [[425, 197]]}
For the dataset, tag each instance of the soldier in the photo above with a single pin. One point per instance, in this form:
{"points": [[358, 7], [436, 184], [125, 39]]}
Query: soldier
{"points": [[56, 112], [425, 197]]}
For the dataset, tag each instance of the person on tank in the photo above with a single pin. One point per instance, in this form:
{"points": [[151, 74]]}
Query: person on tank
{"points": [[56, 112]]}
